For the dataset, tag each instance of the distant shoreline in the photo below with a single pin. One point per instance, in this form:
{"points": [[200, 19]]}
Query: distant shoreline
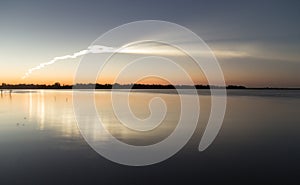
{"points": [[57, 85]]}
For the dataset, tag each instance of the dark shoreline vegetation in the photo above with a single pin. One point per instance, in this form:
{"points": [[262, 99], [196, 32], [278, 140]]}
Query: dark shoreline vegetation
{"points": [[57, 85]]}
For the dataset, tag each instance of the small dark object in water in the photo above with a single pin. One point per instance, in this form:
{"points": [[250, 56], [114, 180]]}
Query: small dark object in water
{"points": [[24, 117], [18, 124]]}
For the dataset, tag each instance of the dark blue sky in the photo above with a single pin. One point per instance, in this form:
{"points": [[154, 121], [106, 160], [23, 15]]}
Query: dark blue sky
{"points": [[267, 31]]}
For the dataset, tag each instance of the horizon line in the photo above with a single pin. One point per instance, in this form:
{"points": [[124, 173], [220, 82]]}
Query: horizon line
{"points": [[57, 85]]}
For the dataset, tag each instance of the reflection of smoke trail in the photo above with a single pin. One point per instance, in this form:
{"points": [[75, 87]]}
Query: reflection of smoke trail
{"points": [[91, 49]]}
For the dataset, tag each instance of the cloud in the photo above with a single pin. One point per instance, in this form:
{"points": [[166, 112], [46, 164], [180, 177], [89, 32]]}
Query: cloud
{"points": [[230, 54]]}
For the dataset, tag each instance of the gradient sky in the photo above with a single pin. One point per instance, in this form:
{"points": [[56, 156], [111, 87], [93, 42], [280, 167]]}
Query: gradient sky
{"points": [[256, 42]]}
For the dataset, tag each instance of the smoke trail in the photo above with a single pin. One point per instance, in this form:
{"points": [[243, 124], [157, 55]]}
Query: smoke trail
{"points": [[144, 48], [91, 49], [141, 48]]}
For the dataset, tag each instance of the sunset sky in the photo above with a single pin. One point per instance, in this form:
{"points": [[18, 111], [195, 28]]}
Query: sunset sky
{"points": [[256, 42]]}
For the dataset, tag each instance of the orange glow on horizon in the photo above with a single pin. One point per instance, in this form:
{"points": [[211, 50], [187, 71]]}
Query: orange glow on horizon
{"points": [[70, 81]]}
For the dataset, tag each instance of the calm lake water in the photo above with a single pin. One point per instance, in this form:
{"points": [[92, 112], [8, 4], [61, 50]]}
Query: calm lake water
{"points": [[259, 142]]}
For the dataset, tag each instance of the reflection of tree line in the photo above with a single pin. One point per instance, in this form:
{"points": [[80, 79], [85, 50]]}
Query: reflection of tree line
{"points": [[57, 85], [10, 91]]}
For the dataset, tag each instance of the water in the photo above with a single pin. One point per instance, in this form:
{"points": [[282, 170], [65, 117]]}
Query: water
{"points": [[258, 144]]}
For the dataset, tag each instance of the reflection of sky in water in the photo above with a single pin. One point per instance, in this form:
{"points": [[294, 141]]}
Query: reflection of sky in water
{"points": [[259, 141], [139, 104], [41, 110], [48, 110]]}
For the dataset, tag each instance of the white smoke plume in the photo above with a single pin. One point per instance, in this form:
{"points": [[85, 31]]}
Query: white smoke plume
{"points": [[91, 49], [143, 48]]}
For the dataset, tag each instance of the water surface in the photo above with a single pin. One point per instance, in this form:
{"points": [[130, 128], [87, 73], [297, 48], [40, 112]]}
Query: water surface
{"points": [[258, 142]]}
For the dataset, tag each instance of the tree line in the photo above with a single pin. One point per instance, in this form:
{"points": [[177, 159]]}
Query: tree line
{"points": [[57, 85]]}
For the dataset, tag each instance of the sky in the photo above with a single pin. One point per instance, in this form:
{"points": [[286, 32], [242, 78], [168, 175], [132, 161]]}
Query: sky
{"points": [[257, 43]]}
